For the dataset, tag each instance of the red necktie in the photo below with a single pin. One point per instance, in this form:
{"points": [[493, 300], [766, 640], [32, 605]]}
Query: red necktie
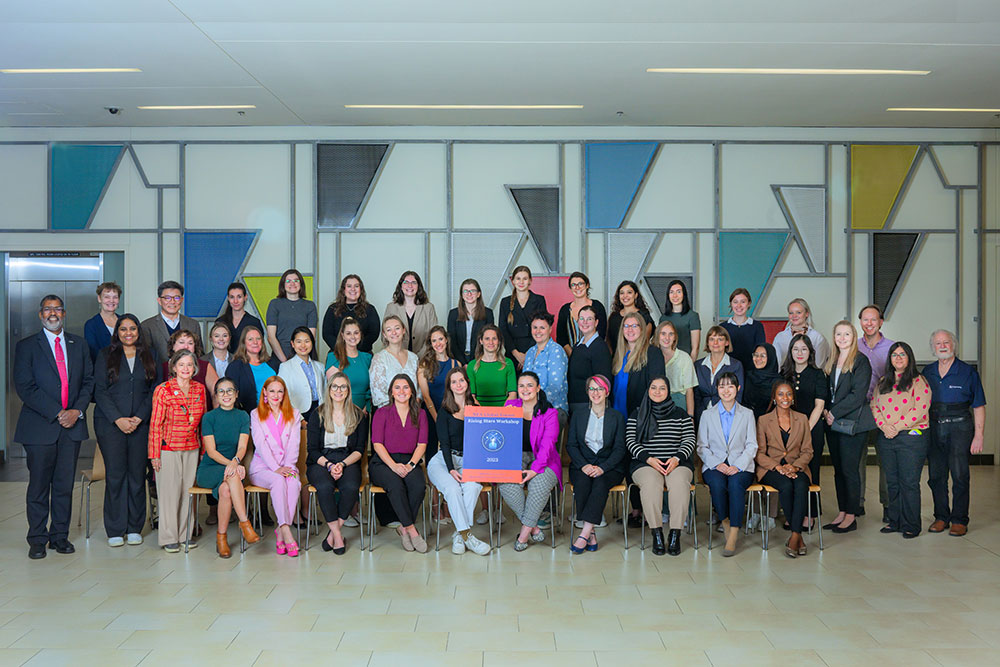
{"points": [[63, 375]]}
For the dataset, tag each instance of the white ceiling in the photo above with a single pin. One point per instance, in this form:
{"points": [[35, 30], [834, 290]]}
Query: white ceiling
{"points": [[301, 61]]}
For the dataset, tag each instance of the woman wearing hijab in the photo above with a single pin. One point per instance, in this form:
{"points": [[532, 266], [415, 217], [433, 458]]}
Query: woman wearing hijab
{"points": [[760, 379], [660, 437]]}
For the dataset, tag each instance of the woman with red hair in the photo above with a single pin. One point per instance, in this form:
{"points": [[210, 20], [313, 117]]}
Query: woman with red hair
{"points": [[274, 426]]}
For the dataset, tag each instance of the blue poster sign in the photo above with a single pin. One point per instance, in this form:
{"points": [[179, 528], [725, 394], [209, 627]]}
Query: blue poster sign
{"points": [[492, 444]]}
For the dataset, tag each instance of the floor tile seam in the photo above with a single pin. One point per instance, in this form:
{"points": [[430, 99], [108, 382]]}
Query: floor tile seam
{"points": [[30, 657], [19, 637]]}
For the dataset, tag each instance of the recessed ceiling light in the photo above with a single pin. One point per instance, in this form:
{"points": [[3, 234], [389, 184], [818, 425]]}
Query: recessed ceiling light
{"points": [[72, 70], [943, 109], [198, 107], [449, 107], [784, 70]]}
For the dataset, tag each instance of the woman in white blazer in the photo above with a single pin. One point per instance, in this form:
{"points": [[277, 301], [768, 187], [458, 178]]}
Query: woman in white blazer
{"points": [[303, 374], [727, 445]]}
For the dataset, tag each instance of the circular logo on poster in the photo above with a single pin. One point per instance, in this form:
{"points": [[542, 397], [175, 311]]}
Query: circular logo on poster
{"points": [[493, 441]]}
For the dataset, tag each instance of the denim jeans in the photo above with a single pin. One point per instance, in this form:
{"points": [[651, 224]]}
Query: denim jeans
{"points": [[948, 453], [729, 494], [902, 459]]}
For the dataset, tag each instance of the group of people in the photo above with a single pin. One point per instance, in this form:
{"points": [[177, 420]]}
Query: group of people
{"points": [[628, 398]]}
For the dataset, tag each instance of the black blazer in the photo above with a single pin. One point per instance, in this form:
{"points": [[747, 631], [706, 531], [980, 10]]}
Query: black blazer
{"points": [[517, 334], [130, 396], [585, 361], [371, 326], [356, 441], [36, 380], [456, 332], [246, 389], [563, 324], [850, 395], [612, 457], [639, 381]]}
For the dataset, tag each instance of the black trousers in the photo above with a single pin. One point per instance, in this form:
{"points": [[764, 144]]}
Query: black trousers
{"points": [[949, 453], [49, 499], [591, 493], [793, 494], [405, 493], [902, 460], [125, 459], [846, 453], [349, 484]]}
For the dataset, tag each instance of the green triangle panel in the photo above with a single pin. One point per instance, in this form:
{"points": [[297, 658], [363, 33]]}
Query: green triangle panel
{"points": [[747, 259], [79, 174]]}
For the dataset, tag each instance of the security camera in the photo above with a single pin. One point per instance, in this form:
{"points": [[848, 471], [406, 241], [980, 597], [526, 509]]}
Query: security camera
{"points": [[114, 111]]}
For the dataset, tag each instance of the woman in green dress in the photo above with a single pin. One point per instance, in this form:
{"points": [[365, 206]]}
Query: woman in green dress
{"points": [[225, 434], [491, 374]]}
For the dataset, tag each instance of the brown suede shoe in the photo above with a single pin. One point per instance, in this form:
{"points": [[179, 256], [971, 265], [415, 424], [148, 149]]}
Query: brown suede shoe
{"points": [[222, 546], [958, 530], [249, 534], [938, 526]]}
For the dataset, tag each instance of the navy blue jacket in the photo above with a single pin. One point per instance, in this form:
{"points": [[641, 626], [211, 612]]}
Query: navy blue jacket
{"points": [[36, 380]]}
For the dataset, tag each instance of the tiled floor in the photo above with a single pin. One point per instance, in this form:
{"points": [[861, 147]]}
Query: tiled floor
{"points": [[867, 599]]}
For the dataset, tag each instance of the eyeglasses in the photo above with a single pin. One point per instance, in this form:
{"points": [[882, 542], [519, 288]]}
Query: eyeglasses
{"points": [[577, 285], [587, 319], [339, 387], [409, 282], [759, 355], [175, 299], [630, 326], [58, 310], [225, 392], [468, 291], [292, 281], [898, 355], [595, 390]]}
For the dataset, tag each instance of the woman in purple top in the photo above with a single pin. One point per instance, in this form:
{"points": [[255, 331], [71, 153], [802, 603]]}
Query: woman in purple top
{"points": [[399, 438], [540, 458]]}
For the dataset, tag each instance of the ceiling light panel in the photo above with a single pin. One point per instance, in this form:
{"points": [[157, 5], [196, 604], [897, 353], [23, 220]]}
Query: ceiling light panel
{"points": [[452, 107], [788, 70], [72, 70]]}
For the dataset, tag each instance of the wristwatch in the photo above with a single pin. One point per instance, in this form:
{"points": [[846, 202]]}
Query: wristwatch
{"points": [[411, 464]]}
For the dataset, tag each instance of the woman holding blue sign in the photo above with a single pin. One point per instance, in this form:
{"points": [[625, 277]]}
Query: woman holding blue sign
{"points": [[598, 457], [491, 374], [543, 468], [445, 468]]}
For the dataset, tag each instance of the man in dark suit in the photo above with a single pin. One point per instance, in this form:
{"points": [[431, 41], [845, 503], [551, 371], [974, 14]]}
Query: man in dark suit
{"points": [[158, 328], [54, 378]]}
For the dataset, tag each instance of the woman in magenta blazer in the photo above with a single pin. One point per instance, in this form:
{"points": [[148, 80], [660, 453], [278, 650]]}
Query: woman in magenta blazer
{"points": [[540, 458], [276, 431]]}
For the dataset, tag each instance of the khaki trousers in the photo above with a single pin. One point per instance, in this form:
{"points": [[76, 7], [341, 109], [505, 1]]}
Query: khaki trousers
{"points": [[176, 476], [651, 486]]}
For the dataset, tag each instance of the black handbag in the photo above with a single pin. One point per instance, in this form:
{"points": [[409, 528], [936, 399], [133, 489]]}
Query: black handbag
{"points": [[865, 422]]}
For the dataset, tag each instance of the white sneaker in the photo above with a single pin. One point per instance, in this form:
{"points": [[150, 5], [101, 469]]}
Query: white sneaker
{"points": [[116, 541], [351, 522], [457, 544], [133, 538], [482, 518], [476, 545], [393, 524]]}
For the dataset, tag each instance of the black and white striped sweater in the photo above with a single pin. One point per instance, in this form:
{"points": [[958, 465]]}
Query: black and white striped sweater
{"points": [[674, 437]]}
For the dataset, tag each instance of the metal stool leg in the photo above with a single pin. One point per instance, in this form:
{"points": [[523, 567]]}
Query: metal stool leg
{"points": [[88, 510]]}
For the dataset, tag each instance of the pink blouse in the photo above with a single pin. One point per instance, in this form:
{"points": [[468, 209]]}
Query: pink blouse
{"points": [[904, 409]]}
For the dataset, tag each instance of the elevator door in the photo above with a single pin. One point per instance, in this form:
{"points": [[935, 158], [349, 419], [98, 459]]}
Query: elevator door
{"points": [[74, 277]]}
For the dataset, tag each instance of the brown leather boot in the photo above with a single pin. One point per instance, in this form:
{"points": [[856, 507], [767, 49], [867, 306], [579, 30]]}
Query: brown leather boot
{"points": [[249, 535], [222, 545]]}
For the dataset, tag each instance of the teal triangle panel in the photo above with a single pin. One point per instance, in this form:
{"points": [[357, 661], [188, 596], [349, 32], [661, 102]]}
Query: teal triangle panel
{"points": [[747, 259], [613, 175], [212, 260], [79, 173]]}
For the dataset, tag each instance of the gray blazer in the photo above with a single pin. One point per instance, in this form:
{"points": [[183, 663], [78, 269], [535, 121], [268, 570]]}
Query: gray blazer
{"points": [[156, 330], [741, 448]]}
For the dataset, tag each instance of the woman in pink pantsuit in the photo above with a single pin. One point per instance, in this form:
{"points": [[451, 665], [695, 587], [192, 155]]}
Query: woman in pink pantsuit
{"points": [[275, 429]]}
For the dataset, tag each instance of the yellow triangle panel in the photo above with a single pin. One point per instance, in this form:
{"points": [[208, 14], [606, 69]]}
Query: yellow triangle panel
{"points": [[264, 288], [877, 176]]}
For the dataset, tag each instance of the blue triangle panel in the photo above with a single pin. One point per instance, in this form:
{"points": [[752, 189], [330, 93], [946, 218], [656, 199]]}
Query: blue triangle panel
{"points": [[614, 173], [212, 260], [78, 175], [747, 259]]}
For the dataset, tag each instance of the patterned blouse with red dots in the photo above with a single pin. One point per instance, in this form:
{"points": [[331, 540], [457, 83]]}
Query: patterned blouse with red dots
{"points": [[904, 409]]}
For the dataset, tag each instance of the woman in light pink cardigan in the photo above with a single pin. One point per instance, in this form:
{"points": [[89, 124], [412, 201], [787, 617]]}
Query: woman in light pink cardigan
{"points": [[275, 429], [543, 469]]}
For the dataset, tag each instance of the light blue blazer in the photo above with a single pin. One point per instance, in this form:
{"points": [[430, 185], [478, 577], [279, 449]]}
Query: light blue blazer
{"points": [[741, 448]]}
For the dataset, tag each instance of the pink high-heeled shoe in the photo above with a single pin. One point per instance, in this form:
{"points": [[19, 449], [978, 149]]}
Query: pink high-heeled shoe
{"points": [[292, 549], [280, 546]]}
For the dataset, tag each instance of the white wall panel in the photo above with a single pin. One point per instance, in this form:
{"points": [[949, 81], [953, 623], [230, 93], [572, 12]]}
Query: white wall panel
{"points": [[960, 164], [926, 204], [171, 208], [242, 187], [827, 298], [793, 262], [679, 190], [23, 187], [927, 298], [411, 190], [595, 267], [379, 259], [480, 173], [529, 258], [160, 162], [749, 171], [573, 211], [437, 277], [969, 322], [172, 269], [305, 223], [674, 255], [706, 288], [140, 273], [128, 203], [861, 272], [838, 209], [329, 280]]}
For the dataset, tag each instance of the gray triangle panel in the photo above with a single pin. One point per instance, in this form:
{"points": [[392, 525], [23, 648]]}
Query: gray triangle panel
{"points": [[539, 208], [890, 255], [658, 288], [344, 175]]}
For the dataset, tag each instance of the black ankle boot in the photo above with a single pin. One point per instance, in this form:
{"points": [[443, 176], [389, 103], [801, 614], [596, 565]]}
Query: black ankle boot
{"points": [[673, 542], [659, 548]]}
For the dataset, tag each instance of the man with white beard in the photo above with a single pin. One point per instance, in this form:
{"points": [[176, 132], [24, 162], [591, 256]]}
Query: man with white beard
{"points": [[958, 416]]}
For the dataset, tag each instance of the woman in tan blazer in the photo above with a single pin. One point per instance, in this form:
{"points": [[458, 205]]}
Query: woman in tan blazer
{"points": [[410, 304], [783, 455]]}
